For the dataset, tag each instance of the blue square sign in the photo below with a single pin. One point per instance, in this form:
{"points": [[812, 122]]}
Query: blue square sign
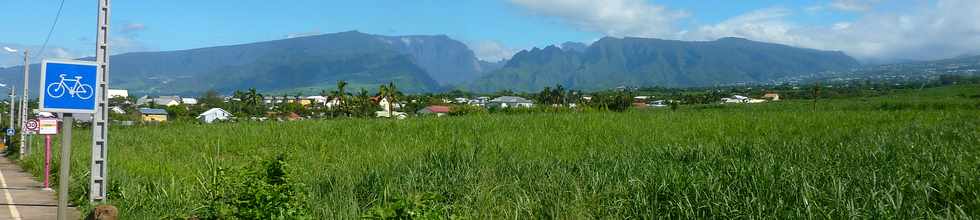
{"points": [[69, 86]]}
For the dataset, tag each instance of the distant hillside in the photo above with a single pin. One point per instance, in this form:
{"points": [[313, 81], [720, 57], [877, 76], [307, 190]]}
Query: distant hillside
{"points": [[308, 64], [446, 60], [898, 73], [612, 62], [486, 66]]}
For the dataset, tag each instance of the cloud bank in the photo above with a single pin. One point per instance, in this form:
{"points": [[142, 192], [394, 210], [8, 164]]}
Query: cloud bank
{"points": [[491, 51], [927, 30], [9, 59], [610, 17]]}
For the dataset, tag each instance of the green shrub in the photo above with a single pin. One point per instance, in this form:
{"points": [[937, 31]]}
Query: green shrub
{"points": [[263, 193], [417, 206], [456, 110]]}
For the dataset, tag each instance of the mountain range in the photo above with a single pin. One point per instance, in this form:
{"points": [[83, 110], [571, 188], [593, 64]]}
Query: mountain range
{"points": [[612, 62], [302, 64], [434, 63]]}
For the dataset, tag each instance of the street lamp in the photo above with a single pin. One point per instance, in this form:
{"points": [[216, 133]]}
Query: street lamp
{"points": [[23, 99]]}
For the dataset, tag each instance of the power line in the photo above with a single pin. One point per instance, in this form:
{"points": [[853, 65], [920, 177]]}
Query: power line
{"points": [[51, 31]]}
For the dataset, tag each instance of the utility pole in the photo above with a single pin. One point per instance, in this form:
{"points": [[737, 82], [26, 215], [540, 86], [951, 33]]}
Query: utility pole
{"points": [[100, 121], [13, 105], [23, 105]]}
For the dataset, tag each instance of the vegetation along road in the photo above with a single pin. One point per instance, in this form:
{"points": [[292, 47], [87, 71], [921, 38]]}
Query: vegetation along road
{"points": [[910, 155]]}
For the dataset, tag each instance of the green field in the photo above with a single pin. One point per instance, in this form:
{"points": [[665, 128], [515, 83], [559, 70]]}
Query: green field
{"points": [[909, 155]]}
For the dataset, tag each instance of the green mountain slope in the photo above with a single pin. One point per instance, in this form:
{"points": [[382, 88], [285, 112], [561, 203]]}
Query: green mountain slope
{"points": [[307, 64], [612, 62]]}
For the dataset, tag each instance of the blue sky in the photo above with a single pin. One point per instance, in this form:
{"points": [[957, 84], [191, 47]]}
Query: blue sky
{"points": [[497, 28]]}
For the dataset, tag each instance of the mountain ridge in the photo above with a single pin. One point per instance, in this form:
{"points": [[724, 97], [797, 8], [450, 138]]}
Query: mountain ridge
{"points": [[611, 62], [365, 60]]}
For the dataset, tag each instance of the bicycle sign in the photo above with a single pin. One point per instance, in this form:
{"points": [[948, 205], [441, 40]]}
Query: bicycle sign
{"points": [[56, 90], [68, 86]]}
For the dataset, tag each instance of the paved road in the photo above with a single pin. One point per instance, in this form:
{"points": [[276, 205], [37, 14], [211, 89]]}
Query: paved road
{"points": [[23, 198]]}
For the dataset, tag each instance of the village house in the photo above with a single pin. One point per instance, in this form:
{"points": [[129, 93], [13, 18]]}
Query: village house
{"points": [[214, 114], [481, 101], [334, 102], [117, 93], [383, 102], [117, 110], [510, 102], [388, 111], [771, 96], [168, 100], [188, 101], [741, 99], [302, 101], [292, 116], [438, 110], [386, 114], [319, 100], [162, 100], [657, 103], [153, 115]]}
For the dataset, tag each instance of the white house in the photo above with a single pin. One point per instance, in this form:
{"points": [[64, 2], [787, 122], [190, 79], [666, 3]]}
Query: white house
{"points": [[334, 102], [741, 99], [117, 110], [481, 101], [113, 93], [384, 105], [320, 100], [511, 101], [657, 104], [214, 114], [384, 114], [189, 101], [166, 101]]}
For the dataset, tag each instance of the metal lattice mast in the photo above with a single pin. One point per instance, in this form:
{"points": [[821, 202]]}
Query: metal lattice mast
{"points": [[100, 125]]}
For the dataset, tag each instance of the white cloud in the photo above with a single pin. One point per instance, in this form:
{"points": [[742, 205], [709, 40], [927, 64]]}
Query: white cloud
{"points": [[766, 24], [853, 5], [9, 59], [611, 17], [132, 28], [492, 51], [302, 34], [61, 53], [944, 29], [127, 44], [922, 30]]}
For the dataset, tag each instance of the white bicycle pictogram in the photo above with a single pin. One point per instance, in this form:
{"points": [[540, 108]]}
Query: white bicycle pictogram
{"points": [[58, 89]]}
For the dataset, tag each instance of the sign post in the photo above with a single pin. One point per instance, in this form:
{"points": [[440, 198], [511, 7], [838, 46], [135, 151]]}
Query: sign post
{"points": [[30, 128], [67, 86], [47, 127], [63, 172]]}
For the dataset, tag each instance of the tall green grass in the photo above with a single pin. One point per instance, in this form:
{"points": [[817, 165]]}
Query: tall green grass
{"points": [[829, 159]]}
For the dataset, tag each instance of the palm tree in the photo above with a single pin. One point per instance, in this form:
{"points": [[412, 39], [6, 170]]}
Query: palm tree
{"points": [[389, 92], [341, 91], [559, 94], [237, 99], [364, 105], [253, 97]]}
